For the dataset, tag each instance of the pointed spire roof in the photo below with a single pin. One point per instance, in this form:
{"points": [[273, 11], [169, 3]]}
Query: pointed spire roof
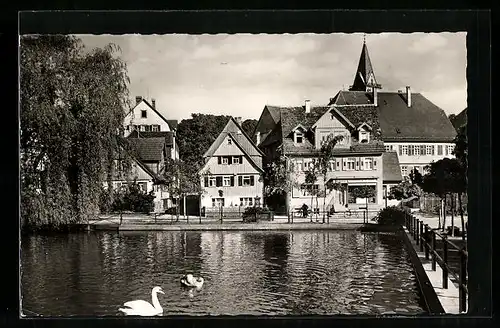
{"points": [[365, 76]]}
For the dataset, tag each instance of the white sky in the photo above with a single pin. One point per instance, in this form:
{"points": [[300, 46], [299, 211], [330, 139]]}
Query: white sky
{"points": [[239, 74]]}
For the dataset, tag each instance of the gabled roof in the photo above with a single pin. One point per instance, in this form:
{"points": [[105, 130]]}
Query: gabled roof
{"points": [[299, 126], [369, 128], [168, 135], [459, 120], [423, 121], [171, 123], [242, 140], [148, 149], [391, 169], [130, 148]]}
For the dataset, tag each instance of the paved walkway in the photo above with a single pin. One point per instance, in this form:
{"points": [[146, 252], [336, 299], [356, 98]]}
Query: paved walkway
{"points": [[449, 296]]}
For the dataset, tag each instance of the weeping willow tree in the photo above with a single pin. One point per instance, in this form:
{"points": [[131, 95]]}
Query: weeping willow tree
{"points": [[72, 105]]}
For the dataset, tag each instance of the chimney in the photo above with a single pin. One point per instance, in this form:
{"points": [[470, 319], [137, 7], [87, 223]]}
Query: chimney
{"points": [[308, 106], [138, 99], [153, 103], [257, 138], [375, 97], [408, 95]]}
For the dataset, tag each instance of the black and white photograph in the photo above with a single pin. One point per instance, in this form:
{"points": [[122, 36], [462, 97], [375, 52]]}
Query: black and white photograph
{"points": [[243, 174]]}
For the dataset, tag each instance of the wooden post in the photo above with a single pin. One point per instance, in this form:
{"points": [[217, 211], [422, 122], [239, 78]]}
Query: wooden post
{"points": [[445, 260], [426, 241], [433, 251], [421, 236], [417, 232], [462, 297]]}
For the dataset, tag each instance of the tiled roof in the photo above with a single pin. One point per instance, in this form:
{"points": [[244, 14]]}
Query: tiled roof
{"points": [[131, 148], [171, 123], [459, 120], [168, 135], [147, 149], [423, 121], [391, 169]]}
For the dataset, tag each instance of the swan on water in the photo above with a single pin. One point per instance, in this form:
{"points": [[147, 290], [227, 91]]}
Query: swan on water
{"points": [[143, 308], [190, 281]]}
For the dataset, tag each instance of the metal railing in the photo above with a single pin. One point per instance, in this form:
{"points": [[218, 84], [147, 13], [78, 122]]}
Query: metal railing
{"points": [[425, 238]]}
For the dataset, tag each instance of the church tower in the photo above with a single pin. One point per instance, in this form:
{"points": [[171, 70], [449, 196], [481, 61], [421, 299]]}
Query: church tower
{"points": [[365, 80]]}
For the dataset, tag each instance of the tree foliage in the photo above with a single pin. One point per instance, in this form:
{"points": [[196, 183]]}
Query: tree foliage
{"points": [[195, 135], [404, 190], [249, 126], [72, 107]]}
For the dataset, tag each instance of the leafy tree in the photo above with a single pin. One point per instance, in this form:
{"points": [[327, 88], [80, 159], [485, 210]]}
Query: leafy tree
{"points": [[71, 110], [249, 126], [325, 158], [195, 135], [461, 153], [404, 190], [416, 177], [279, 180], [311, 178], [363, 192], [182, 180], [446, 176]]}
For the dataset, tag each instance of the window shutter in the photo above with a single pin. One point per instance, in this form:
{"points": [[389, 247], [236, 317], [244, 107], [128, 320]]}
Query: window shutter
{"points": [[219, 160], [206, 181], [230, 160], [357, 163], [251, 180], [344, 162], [241, 159], [232, 181], [374, 163], [338, 166], [400, 150], [361, 164], [240, 180], [422, 150], [218, 181]]}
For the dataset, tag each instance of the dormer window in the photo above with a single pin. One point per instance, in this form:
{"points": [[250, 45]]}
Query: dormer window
{"points": [[299, 137], [364, 136], [364, 133]]}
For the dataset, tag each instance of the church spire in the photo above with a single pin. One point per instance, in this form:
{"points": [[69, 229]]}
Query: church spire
{"points": [[364, 80]]}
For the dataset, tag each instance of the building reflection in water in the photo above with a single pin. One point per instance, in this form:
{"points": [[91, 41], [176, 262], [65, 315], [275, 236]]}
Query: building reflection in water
{"points": [[278, 273]]}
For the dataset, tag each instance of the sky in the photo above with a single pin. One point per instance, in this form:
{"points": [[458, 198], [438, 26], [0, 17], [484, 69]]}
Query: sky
{"points": [[238, 74]]}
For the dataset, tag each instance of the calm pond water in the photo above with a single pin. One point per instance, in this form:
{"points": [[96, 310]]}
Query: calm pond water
{"points": [[252, 273]]}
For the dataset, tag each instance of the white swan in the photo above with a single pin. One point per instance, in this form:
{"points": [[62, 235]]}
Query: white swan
{"points": [[190, 281], [143, 308]]}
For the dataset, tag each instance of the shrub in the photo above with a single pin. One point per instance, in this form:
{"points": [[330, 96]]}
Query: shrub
{"points": [[253, 214], [391, 215]]}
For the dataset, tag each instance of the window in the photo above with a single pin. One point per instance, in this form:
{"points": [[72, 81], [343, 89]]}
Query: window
{"points": [[236, 160], [429, 150], [229, 141], [364, 136], [147, 128], [144, 114], [368, 163], [142, 128], [246, 201], [388, 147], [247, 181], [211, 182], [307, 189], [143, 186], [155, 128], [299, 137], [299, 165], [219, 202], [403, 149], [331, 166], [411, 150], [350, 163], [225, 160], [417, 150], [404, 171], [450, 149], [226, 181]]}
